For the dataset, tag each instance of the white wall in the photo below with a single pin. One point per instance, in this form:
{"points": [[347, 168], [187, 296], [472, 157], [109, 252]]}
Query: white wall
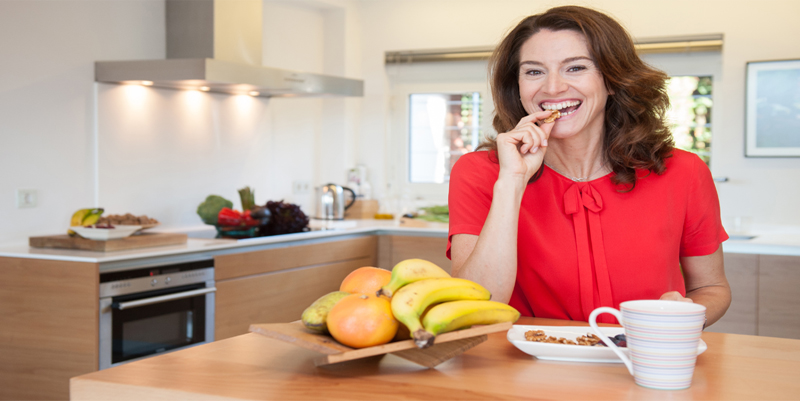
{"points": [[47, 98], [155, 151], [765, 189]]}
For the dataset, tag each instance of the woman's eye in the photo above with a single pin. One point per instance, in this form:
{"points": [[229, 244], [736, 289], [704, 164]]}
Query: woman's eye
{"points": [[576, 68], [531, 72]]}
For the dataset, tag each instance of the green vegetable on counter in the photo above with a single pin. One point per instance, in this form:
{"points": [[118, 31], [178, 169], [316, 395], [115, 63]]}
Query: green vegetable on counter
{"points": [[439, 214], [209, 209], [248, 198]]}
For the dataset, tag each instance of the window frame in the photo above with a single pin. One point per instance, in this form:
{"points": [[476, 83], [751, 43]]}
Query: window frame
{"points": [[398, 173], [694, 64]]}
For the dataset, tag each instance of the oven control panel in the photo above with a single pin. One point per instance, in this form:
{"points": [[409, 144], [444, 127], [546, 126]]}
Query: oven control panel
{"points": [[153, 279]]}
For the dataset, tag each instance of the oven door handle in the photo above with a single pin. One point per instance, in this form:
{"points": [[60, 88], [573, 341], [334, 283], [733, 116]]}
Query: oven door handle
{"points": [[162, 298]]}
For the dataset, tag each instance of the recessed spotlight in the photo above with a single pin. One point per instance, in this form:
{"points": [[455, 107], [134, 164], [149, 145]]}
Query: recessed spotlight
{"points": [[205, 88], [147, 83], [253, 93]]}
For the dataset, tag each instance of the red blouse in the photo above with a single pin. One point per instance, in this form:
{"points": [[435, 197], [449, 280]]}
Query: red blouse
{"points": [[582, 245]]}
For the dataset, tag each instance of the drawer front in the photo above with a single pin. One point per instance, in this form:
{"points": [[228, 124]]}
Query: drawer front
{"points": [[393, 249], [742, 272], [779, 296], [278, 297], [292, 256]]}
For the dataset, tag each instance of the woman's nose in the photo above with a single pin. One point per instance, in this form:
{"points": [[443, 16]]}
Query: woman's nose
{"points": [[555, 84]]}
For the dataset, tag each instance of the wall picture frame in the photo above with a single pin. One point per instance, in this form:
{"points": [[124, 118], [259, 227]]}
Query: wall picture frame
{"points": [[772, 115]]}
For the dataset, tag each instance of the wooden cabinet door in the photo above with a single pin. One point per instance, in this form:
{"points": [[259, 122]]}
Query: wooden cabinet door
{"points": [[393, 249], [49, 317], [741, 269], [277, 297], [779, 296], [283, 257]]}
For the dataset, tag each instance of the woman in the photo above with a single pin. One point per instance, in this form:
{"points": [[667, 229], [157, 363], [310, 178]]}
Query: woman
{"points": [[595, 208]]}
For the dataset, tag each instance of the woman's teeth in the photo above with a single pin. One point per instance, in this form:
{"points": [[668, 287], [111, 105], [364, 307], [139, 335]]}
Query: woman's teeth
{"points": [[561, 106]]}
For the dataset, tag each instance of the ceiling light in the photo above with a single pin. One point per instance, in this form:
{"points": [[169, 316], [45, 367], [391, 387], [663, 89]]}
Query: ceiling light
{"points": [[147, 83], [253, 93], [205, 88]]}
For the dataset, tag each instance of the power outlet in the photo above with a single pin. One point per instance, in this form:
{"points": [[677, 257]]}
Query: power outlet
{"points": [[301, 187], [27, 198]]}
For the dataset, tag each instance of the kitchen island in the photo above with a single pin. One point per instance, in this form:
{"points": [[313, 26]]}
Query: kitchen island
{"points": [[255, 367]]}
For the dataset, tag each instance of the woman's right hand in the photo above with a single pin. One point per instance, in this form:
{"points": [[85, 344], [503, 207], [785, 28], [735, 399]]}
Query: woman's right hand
{"points": [[521, 151]]}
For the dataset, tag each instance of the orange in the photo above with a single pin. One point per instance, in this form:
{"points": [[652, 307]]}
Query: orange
{"points": [[362, 320], [365, 280]]}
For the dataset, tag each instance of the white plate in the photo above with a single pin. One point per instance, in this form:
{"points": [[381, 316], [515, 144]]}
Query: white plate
{"points": [[570, 353], [105, 234]]}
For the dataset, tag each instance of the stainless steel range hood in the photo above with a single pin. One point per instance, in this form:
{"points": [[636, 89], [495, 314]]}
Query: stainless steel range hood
{"points": [[215, 46]]}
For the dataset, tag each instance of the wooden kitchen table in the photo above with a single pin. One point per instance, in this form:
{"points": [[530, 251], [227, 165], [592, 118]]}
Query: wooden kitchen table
{"points": [[255, 367]]}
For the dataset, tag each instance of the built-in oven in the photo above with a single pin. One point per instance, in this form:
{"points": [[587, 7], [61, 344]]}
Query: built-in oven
{"points": [[155, 309]]}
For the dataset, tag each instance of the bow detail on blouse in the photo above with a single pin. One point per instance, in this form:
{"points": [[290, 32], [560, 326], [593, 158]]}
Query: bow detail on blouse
{"points": [[584, 204]]}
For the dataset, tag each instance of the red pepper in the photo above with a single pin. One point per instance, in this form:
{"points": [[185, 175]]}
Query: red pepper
{"points": [[229, 217]]}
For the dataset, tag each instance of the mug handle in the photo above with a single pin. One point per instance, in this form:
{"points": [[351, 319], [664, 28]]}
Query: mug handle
{"points": [[604, 338]]}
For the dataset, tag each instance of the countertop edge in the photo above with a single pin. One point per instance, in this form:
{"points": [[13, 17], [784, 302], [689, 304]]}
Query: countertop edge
{"points": [[205, 248]]}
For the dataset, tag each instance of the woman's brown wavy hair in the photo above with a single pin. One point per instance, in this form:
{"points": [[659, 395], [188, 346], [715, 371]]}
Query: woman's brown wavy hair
{"points": [[636, 136]]}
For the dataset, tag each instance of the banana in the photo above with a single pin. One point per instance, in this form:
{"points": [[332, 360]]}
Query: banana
{"points": [[92, 217], [315, 316], [409, 271], [450, 316], [411, 300], [77, 217], [84, 217]]}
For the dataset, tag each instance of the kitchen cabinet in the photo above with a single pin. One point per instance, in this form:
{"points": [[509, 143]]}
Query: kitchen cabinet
{"points": [[276, 285], [49, 316], [779, 296], [393, 249], [741, 269], [765, 296]]}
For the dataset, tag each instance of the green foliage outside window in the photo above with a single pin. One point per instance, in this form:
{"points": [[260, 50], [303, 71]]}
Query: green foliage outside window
{"points": [[690, 114]]}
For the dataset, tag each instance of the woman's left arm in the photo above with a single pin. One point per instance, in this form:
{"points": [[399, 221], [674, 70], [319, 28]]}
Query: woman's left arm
{"points": [[705, 284]]}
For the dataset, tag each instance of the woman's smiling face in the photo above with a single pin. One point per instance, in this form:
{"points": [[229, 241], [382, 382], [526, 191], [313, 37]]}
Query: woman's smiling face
{"points": [[556, 71]]}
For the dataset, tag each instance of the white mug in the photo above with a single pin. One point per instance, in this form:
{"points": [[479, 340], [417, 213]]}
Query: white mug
{"points": [[662, 339]]}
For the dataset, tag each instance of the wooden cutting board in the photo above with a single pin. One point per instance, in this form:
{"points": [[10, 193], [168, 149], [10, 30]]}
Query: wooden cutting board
{"points": [[446, 346], [144, 240]]}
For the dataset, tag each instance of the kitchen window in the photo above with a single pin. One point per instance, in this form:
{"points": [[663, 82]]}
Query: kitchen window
{"points": [[690, 88], [439, 112], [689, 115], [442, 127]]}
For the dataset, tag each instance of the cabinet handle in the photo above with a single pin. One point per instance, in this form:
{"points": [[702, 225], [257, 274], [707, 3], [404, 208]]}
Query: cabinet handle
{"points": [[162, 298]]}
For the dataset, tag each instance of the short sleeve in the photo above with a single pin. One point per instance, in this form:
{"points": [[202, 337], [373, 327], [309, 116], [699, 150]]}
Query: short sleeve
{"points": [[702, 231], [472, 181]]}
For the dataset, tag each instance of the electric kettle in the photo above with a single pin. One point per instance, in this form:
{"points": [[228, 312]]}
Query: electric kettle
{"points": [[331, 203]]}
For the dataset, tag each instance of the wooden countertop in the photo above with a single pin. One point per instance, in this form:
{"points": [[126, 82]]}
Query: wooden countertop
{"points": [[255, 367]]}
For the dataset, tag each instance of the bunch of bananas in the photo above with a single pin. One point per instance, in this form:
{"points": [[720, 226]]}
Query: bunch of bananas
{"points": [[427, 301], [84, 217], [457, 303]]}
